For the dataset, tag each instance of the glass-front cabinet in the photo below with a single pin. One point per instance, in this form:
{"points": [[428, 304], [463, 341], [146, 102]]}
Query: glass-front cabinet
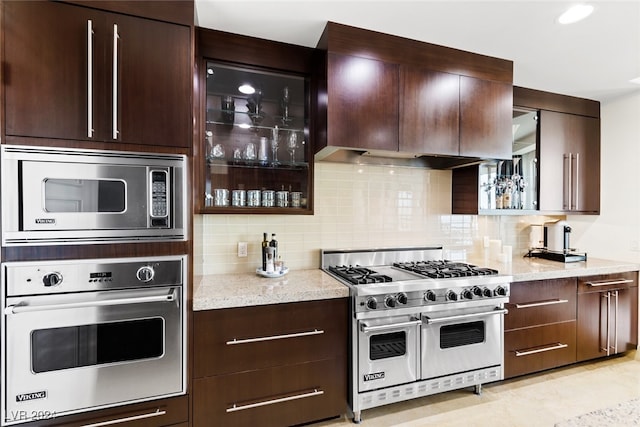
{"points": [[256, 150], [513, 184]]}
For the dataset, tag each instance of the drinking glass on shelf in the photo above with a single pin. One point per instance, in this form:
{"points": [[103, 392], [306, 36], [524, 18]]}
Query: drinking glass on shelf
{"points": [[292, 145], [274, 145]]}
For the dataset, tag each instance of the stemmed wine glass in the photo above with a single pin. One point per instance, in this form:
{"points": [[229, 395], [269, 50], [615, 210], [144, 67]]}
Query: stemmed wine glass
{"points": [[292, 145], [274, 145]]}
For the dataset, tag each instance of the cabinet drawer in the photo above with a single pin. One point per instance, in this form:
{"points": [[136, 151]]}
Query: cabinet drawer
{"points": [[281, 396], [538, 348], [541, 302], [606, 282], [248, 338], [164, 412]]}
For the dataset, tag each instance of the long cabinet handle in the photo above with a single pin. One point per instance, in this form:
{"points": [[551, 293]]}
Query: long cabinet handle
{"points": [[89, 78], [116, 36], [576, 190], [615, 330], [566, 184], [607, 349], [315, 392], [609, 282], [541, 303], [557, 346], [157, 413], [275, 337]]}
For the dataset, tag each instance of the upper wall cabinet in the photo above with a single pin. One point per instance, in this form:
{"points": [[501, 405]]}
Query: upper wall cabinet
{"points": [[410, 99], [76, 73]]}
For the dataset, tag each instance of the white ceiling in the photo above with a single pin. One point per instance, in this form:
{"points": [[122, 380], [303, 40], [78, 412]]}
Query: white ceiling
{"points": [[594, 58]]}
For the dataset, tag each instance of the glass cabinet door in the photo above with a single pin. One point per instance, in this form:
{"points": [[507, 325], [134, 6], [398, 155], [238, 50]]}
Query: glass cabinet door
{"points": [[256, 152]]}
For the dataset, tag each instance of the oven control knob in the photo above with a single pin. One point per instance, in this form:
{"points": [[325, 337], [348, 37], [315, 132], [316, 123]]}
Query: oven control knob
{"points": [[145, 273], [52, 279], [451, 296], [500, 291], [487, 292], [372, 304], [429, 296], [467, 294], [402, 298], [390, 301], [477, 291]]}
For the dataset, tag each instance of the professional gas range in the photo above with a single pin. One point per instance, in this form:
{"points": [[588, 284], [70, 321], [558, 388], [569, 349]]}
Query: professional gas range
{"points": [[420, 324]]}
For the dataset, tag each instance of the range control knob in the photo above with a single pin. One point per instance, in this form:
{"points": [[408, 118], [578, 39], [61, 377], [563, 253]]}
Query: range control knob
{"points": [[145, 273], [52, 279], [402, 298], [429, 296], [477, 291], [390, 301], [372, 304], [500, 291], [487, 292], [467, 294], [451, 296]]}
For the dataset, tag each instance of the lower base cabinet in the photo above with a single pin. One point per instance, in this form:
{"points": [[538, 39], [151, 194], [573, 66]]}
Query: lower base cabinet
{"points": [[607, 315], [273, 365]]}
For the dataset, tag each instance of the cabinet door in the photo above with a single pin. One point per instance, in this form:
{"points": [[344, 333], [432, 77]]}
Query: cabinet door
{"points": [[486, 110], [46, 62], [429, 111], [154, 99], [569, 162], [362, 109]]}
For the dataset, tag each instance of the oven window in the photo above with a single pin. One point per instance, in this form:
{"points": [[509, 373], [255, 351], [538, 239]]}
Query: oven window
{"points": [[97, 344], [462, 334], [384, 346], [84, 195]]}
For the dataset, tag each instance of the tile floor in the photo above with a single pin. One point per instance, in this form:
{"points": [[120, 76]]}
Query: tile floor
{"points": [[534, 400]]}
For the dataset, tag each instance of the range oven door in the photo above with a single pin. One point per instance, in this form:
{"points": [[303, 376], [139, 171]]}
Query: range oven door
{"points": [[461, 340], [388, 352], [76, 352]]}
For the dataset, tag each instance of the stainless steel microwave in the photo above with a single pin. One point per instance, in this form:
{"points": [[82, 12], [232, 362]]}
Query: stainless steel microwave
{"points": [[77, 196]]}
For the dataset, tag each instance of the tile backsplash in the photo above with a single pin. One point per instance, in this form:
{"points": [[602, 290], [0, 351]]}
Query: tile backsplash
{"points": [[357, 206]]}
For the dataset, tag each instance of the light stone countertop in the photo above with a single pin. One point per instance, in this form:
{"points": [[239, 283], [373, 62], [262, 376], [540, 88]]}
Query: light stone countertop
{"points": [[241, 290], [525, 269]]}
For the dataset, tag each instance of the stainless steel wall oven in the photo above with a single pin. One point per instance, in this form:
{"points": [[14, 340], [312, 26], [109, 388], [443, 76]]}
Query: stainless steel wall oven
{"points": [[80, 335]]}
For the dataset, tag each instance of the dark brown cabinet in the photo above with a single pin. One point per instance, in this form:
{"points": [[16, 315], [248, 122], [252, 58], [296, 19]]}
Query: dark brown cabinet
{"points": [[75, 73], [274, 365], [362, 103], [540, 328], [569, 162], [607, 315]]}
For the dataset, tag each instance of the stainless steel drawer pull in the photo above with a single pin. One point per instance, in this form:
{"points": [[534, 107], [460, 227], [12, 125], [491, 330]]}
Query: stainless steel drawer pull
{"points": [[157, 413], [366, 328], [609, 282], [558, 346], [315, 392], [542, 303], [430, 321], [275, 337]]}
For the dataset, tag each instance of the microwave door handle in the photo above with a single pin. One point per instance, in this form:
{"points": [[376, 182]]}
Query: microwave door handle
{"points": [[430, 321], [18, 308]]}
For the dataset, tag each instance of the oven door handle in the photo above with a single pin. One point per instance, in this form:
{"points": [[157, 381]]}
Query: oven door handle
{"points": [[366, 328], [20, 308], [430, 321]]}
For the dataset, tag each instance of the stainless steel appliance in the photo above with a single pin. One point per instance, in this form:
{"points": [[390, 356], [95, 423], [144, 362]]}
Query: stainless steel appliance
{"points": [[73, 196], [420, 325], [80, 335]]}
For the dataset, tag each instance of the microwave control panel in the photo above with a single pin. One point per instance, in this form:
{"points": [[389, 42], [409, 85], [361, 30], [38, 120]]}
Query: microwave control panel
{"points": [[159, 211]]}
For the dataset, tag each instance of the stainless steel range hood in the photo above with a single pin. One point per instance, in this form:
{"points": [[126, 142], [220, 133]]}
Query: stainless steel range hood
{"points": [[392, 158]]}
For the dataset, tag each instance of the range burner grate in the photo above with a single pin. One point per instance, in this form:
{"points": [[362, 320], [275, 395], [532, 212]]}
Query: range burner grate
{"points": [[359, 275], [444, 269]]}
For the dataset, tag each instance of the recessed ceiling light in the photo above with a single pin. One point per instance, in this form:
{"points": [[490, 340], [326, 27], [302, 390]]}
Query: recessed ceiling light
{"points": [[246, 89], [575, 13]]}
